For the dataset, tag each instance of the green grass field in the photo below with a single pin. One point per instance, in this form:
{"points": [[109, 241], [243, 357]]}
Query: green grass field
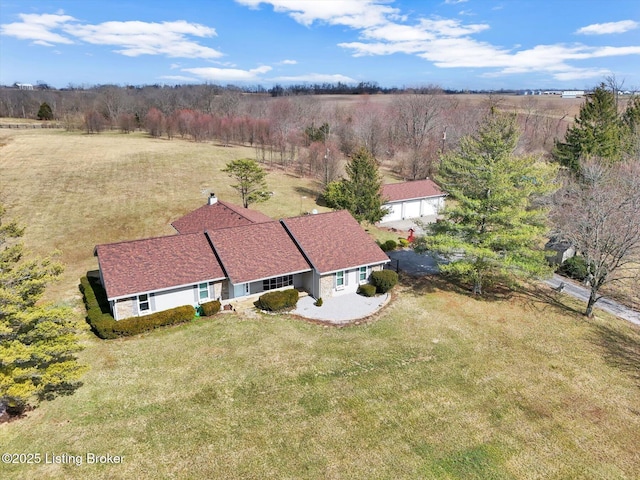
{"points": [[437, 385]]}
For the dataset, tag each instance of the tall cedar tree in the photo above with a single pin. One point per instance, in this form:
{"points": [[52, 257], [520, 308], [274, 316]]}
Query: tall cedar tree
{"points": [[250, 178], [45, 112], [494, 227], [597, 132], [598, 212], [360, 192], [37, 342]]}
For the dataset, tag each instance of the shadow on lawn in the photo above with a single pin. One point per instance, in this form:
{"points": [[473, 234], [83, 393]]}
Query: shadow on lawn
{"points": [[539, 295], [621, 349]]}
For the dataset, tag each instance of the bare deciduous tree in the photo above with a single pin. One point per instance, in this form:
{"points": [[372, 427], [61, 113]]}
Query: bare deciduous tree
{"points": [[598, 212]]}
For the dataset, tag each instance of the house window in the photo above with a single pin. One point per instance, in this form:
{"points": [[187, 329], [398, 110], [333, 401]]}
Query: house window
{"points": [[204, 291], [277, 282], [362, 274], [143, 303], [339, 280]]}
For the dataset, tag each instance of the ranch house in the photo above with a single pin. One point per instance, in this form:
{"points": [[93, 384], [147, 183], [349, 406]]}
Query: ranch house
{"points": [[228, 253]]}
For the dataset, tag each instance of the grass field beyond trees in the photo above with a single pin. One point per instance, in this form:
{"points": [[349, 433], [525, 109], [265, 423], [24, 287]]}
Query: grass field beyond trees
{"points": [[437, 385]]}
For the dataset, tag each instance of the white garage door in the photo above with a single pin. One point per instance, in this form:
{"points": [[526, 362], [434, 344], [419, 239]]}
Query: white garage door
{"points": [[395, 212], [429, 207], [412, 209]]}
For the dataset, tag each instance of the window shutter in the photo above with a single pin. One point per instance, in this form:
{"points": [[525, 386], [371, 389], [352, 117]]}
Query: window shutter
{"points": [[195, 294]]}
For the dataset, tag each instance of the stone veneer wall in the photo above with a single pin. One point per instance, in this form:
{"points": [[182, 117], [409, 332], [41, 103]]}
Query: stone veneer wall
{"points": [[124, 307], [326, 285]]}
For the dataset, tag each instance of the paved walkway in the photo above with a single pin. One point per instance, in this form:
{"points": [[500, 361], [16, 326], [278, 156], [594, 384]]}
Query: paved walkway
{"points": [[605, 304], [342, 309]]}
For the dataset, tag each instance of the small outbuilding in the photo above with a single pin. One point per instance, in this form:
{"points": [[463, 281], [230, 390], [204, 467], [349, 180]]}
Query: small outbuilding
{"points": [[407, 200]]}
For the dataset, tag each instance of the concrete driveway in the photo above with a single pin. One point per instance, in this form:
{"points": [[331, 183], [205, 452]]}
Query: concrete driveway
{"points": [[405, 225]]}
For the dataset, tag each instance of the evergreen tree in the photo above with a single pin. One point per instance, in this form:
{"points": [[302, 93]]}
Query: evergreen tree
{"points": [[360, 191], [37, 342], [597, 131], [251, 180], [493, 228], [45, 112]]}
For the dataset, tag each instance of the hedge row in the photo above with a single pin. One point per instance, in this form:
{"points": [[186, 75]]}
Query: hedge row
{"points": [[278, 300], [104, 325]]}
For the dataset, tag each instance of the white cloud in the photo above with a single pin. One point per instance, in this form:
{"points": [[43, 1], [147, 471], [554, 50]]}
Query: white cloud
{"points": [[351, 13], [38, 28], [454, 2], [316, 77], [608, 28], [228, 74], [289, 62], [132, 38], [144, 38]]}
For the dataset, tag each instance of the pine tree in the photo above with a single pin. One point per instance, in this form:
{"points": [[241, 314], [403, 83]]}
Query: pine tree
{"points": [[37, 342], [251, 180], [597, 131], [493, 228], [360, 191]]}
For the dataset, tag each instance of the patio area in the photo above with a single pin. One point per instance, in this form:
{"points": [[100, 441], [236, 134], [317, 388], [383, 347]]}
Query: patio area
{"points": [[342, 309]]}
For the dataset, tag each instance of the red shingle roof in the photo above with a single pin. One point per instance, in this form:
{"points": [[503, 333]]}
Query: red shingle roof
{"points": [[157, 263], [257, 251], [395, 192], [334, 241], [219, 215]]}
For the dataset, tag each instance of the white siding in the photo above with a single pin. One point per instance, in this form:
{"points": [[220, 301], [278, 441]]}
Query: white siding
{"points": [[174, 298], [394, 213]]}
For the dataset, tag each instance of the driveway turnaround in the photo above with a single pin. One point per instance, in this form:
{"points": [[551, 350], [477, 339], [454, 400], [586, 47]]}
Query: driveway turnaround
{"points": [[605, 304], [412, 263], [342, 309]]}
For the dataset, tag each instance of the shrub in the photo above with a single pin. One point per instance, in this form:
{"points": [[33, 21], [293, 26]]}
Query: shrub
{"points": [[367, 290], [574, 267], [389, 245], [98, 313], [384, 280], [103, 324], [136, 325], [210, 308], [278, 300], [403, 242], [318, 302]]}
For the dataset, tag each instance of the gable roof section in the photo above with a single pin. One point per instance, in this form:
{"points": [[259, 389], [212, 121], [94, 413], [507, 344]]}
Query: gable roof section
{"points": [[159, 263], [219, 215], [334, 241], [396, 192], [257, 251]]}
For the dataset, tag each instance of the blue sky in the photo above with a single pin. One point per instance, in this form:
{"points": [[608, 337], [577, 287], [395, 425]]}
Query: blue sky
{"points": [[475, 44]]}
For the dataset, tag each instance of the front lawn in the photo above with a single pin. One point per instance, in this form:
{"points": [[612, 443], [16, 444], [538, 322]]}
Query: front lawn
{"points": [[440, 385]]}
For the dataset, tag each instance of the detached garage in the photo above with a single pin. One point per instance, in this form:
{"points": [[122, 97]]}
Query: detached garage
{"points": [[407, 200]]}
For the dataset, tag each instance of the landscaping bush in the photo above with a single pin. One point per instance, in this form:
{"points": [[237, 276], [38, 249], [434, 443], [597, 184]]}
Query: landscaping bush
{"points": [[389, 245], [136, 325], [318, 302], [278, 300], [574, 267], [210, 308], [403, 242], [384, 280], [367, 290], [98, 314], [103, 324]]}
